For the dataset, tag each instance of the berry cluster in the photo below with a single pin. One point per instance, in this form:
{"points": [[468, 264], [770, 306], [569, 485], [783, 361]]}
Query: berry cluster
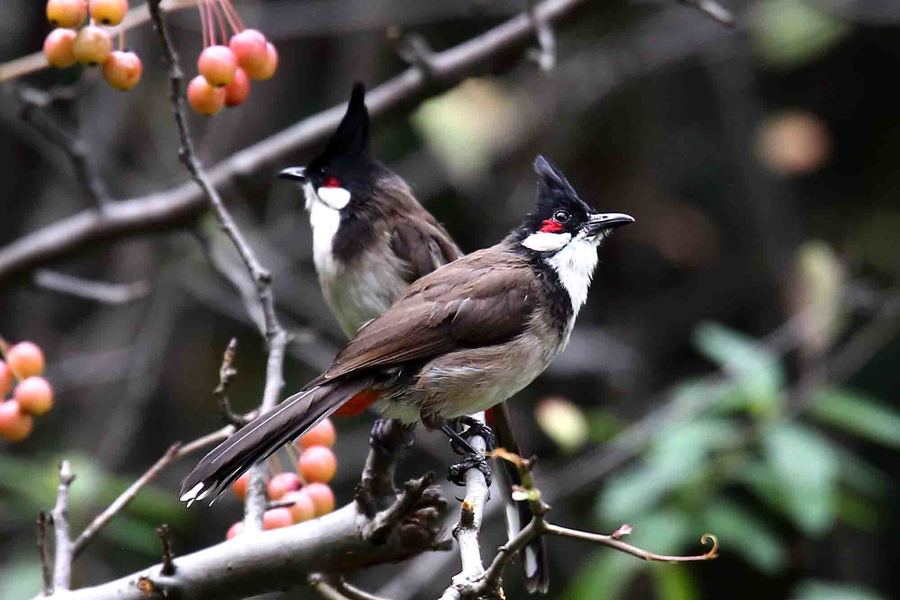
{"points": [[32, 394], [226, 70], [92, 44], [307, 490]]}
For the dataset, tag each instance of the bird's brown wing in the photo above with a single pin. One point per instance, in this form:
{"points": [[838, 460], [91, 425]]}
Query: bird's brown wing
{"points": [[420, 241], [481, 299]]}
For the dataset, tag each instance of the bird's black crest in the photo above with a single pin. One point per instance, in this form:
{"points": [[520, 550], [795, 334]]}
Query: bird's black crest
{"points": [[352, 135], [554, 192]]}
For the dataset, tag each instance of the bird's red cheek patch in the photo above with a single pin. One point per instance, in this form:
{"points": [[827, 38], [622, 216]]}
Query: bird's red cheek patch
{"points": [[358, 403], [551, 226], [332, 182]]}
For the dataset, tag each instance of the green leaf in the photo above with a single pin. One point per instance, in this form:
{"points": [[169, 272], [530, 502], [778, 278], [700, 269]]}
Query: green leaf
{"points": [[757, 372], [674, 582], [606, 575], [20, 578], [804, 468], [741, 531], [791, 33], [826, 590], [858, 414]]}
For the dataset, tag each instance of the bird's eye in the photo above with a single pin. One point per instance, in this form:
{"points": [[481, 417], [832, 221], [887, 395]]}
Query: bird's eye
{"points": [[560, 216], [332, 182]]}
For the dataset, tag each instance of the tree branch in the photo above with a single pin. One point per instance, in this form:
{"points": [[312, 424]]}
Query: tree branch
{"points": [[97, 291], [183, 203], [46, 569], [62, 556]]}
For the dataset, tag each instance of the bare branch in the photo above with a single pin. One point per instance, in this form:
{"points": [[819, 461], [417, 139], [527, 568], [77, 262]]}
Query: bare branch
{"points": [[275, 335], [412, 48], [320, 584], [274, 560], [226, 374], [545, 54], [62, 557], [46, 571], [175, 206], [172, 455], [354, 593], [168, 566], [73, 145], [98, 291]]}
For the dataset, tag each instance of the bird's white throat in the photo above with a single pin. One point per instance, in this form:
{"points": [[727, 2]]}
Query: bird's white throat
{"points": [[575, 264], [325, 221]]}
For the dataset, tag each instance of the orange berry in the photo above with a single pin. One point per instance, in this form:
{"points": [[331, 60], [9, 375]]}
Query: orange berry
{"points": [[321, 496], [303, 508], [239, 487], [249, 47], [122, 70], [59, 48], [322, 434], [109, 12], [217, 64], [318, 463], [277, 517], [204, 98], [267, 69], [235, 529], [281, 484], [239, 88], [67, 13], [92, 45], [34, 395], [26, 359], [14, 424], [6, 379]]}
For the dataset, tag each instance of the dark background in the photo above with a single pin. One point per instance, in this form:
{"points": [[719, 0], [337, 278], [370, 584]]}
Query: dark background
{"points": [[761, 165]]}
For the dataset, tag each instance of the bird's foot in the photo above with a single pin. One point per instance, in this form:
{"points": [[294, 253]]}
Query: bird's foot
{"points": [[474, 427], [388, 436], [457, 471]]}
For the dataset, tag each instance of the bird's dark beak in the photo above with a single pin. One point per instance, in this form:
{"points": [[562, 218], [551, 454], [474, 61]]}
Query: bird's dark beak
{"points": [[294, 173], [603, 221]]}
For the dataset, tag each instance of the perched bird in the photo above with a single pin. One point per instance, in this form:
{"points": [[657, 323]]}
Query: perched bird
{"points": [[460, 340], [371, 240]]}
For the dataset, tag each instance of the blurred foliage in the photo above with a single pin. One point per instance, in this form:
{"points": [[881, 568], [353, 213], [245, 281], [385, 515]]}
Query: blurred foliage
{"points": [[746, 471]]}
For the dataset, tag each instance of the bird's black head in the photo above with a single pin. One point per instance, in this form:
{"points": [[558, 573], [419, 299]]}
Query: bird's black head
{"points": [[345, 170], [560, 217]]}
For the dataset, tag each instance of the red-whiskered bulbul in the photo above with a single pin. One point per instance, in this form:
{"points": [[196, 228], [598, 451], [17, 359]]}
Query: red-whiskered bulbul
{"points": [[460, 340], [371, 239]]}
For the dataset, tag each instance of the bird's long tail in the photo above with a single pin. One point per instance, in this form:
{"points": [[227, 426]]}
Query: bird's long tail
{"points": [[264, 435], [518, 514]]}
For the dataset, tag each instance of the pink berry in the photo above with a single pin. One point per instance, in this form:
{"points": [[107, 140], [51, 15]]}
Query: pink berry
{"points": [[318, 463], [26, 359], [277, 517], [204, 98], [67, 13], [323, 434], [239, 88], [92, 45], [109, 12], [322, 497], [267, 69], [239, 487], [14, 424], [122, 70], [6, 379], [249, 47], [59, 48], [281, 484], [303, 507], [34, 395], [217, 64]]}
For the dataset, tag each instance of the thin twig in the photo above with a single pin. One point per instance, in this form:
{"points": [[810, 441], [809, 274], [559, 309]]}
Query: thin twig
{"points": [[74, 146], [46, 571], [545, 54], [172, 455], [62, 558], [275, 335], [226, 375], [97, 291], [168, 565], [354, 593], [713, 10], [321, 585]]}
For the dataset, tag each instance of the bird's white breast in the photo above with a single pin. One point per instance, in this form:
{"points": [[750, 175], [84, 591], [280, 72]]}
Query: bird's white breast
{"points": [[575, 265]]}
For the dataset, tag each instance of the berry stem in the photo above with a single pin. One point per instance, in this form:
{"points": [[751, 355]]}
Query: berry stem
{"points": [[122, 39], [201, 6], [234, 19], [210, 22], [218, 11]]}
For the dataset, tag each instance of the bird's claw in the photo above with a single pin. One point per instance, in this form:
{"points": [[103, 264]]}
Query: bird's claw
{"points": [[457, 471], [474, 427]]}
